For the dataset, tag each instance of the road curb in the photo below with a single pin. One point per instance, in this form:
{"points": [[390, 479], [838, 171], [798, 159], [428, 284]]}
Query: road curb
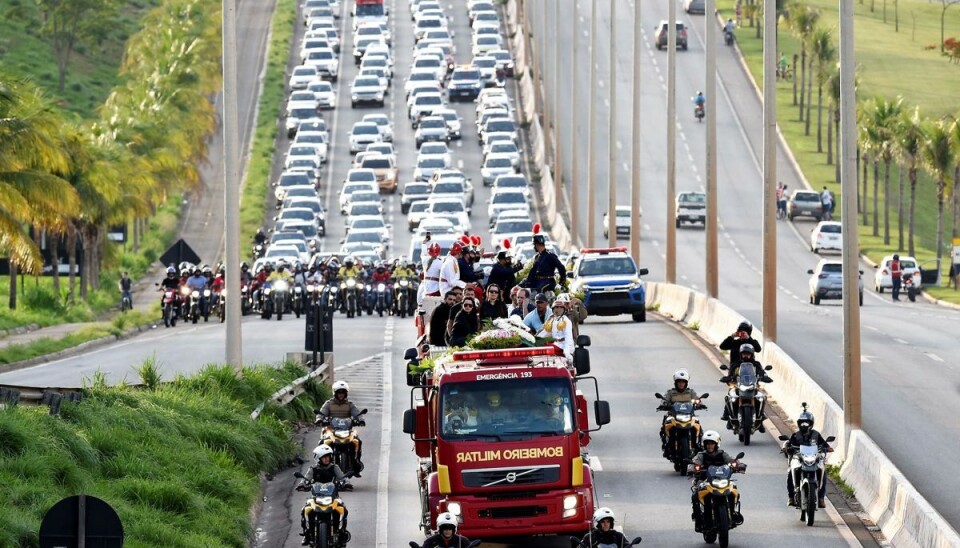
{"points": [[75, 350], [19, 330]]}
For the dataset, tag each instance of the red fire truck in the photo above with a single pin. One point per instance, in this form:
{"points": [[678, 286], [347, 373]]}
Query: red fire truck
{"points": [[501, 440]]}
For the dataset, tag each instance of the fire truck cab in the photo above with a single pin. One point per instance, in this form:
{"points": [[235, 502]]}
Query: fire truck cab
{"points": [[501, 440]]}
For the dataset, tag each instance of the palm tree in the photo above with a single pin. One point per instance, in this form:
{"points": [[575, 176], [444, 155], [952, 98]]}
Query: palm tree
{"points": [[833, 125], [29, 193], [819, 41], [910, 138], [801, 20], [955, 141], [938, 158], [825, 54], [866, 154], [883, 116]]}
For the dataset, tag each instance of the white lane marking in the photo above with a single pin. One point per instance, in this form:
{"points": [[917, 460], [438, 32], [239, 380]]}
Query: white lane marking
{"points": [[934, 357], [354, 363], [383, 477], [866, 359], [901, 341]]}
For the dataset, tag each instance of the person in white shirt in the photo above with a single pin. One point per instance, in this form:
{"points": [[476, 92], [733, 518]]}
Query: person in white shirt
{"points": [[428, 294], [559, 326], [450, 271]]}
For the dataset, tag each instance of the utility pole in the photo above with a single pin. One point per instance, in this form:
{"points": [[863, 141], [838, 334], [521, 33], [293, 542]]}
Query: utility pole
{"points": [[848, 202], [231, 174], [591, 135], [635, 136], [712, 264], [557, 142], [671, 142], [574, 131], [612, 168], [769, 174]]}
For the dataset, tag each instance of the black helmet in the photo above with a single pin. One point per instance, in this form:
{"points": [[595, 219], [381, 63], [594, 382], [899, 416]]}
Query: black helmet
{"points": [[896, 257], [805, 421], [538, 239], [746, 327], [747, 348], [244, 266]]}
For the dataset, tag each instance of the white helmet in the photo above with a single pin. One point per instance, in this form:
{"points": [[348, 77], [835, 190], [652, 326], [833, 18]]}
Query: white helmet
{"points": [[563, 298], [712, 435], [322, 451], [681, 375], [447, 519], [340, 385], [601, 514]]}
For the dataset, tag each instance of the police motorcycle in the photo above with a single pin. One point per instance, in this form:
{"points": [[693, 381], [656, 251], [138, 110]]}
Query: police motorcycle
{"points": [[808, 466], [682, 430], [341, 435], [351, 290], [405, 297], [719, 499], [746, 401], [325, 513]]}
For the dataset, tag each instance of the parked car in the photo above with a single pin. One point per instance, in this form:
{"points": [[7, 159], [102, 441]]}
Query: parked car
{"points": [[826, 235], [908, 267], [804, 203]]}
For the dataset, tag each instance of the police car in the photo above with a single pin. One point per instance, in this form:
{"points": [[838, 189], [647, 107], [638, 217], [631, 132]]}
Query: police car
{"points": [[610, 283]]}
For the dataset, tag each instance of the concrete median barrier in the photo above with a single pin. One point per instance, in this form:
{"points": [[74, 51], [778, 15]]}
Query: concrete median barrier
{"points": [[903, 515]]}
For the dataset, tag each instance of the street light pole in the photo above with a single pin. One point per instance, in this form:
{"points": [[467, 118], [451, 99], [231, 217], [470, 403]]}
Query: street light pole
{"points": [[635, 136], [231, 174], [769, 174], [574, 131], [712, 264], [848, 201], [612, 168], [591, 135], [557, 142], [671, 251]]}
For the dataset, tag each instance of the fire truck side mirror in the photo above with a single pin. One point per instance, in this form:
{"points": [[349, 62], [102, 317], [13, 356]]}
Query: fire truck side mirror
{"points": [[410, 422], [581, 360], [410, 354], [583, 340], [601, 412]]}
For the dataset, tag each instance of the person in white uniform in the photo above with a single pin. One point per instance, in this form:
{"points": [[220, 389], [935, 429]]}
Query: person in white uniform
{"points": [[560, 326]]}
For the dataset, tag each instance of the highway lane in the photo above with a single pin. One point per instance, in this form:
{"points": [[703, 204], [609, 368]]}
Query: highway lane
{"points": [[917, 335]]}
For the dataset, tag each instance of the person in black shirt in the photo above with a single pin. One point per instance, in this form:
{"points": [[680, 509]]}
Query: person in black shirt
{"points": [[743, 335], [446, 536], [545, 263], [438, 322], [493, 306], [603, 533], [806, 435], [504, 273], [466, 322]]}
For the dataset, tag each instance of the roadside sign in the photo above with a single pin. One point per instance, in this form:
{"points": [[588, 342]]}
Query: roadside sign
{"points": [[81, 520], [956, 251]]}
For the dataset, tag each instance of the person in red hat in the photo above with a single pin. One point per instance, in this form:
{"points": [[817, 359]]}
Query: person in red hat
{"points": [[428, 294], [450, 269]]}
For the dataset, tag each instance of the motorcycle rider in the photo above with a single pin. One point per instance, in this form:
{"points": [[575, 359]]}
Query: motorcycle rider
{"points": [[545, 263], [171, 282], [711, 455], [341, 408], [446, 536], [559, 326], [680, 393], [259, 238], [746, 358], [734, 342], [348, 270], [403, 270], [699, 100], [806, 435], [603, 533], [198, 282], [324, 471], [245, 277], [728, 29]]}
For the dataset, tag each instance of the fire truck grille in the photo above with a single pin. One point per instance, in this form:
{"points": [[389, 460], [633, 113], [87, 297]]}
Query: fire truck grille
{"points": [[514, 512], [508, 477]]}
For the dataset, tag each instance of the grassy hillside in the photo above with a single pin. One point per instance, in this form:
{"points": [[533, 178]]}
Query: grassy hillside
{"points": [[93, 69]]}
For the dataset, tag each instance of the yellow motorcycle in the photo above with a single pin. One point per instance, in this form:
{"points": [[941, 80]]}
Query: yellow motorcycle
{"points": [[682, 431], [324, 516], [341, 435], [719, 499]]}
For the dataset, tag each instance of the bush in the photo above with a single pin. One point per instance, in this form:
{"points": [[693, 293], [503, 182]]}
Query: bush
{"points": [[42, 298]]}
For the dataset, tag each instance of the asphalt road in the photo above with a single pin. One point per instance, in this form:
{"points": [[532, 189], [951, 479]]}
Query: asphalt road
{"points": [[908, 374], [650, 499]]}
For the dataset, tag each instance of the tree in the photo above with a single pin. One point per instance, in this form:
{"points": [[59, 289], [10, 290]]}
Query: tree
{"points": [[820, 38], [801, 20], [67, 23], [955, 196], [910, 138], [945, 4], [938, 158], [825, 54], [882, 118], [833, 128]]}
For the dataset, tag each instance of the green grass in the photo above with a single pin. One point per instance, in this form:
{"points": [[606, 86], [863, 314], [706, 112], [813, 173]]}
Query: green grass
{"points": [[256, 185], [93, 69], [180, 463], [834, 472], [883, 57]]}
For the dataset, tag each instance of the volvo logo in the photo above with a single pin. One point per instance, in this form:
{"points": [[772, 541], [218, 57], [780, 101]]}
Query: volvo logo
{"points": [[511, 477]]}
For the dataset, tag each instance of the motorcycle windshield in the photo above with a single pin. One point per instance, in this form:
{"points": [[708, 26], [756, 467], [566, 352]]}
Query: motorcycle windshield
{"points": [[685, 408], [747, 376], [341, 424], [720, 472], [809, 450], [323, 490]]}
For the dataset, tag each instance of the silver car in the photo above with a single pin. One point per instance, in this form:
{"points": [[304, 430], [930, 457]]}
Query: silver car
{"points": [[804, 202], [826, 281]]}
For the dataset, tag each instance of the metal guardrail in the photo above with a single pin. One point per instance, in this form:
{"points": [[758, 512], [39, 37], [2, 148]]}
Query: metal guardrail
{"points": [[323, 373]]}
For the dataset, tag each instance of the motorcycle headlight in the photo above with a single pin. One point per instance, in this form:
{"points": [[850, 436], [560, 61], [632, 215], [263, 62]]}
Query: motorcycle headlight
{"points": [[404, 283], [324, 501], [297, 290], [454, 508], [266, 291], [810, 460], [745, 387], [185, 291], [242, 290], [310, 288], [351, 282], [369, 287], [720, 483], [206, 292], [342, 433], [223, 293], [683, 418], [195, 294], [381, 287], [282, 286]]}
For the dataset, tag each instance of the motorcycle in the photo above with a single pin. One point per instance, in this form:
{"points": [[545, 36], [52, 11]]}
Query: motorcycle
{"points": [[206, 304], [699, 112], [280, 295], [221, 299], [682, 431], [369, 299], [807, 465], [383, 298], [126, 302], [298, 300], [324, 516], [266, 301], [351, 296], [727, 37], [246, 301], [719, 500], [341, 435], [257, 251], [574, 541], [185, 293], [169, 303], [405, 298], [910, 288], [746, 402]]}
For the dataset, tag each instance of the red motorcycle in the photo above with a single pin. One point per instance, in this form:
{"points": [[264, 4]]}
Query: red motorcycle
{"points": [[170, 305]]}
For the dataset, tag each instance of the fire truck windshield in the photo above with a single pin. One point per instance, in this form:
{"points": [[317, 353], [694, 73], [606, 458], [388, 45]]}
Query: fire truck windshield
{"points": [[506, 407]]}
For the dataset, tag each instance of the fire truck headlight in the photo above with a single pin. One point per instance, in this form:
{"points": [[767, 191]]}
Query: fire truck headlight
{"points": [[453, 508], [570, 502]]}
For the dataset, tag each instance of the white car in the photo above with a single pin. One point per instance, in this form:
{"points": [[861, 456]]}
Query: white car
{"points": [[434, 149], [431, 62], [385, 149], [427, 23], [622, 221], [371, 223], [326, 62], [424, 104], [454, 122], [424, 76], [325, 93], [827, 235], [450, 207], [316, 139], [435, 226], [416, 214], [380, 74], [515, 182], [298, 113], [495, 165], [507, 199], [452, 189], [303, 164], [306, 150], [362, 134], [382, 122], [366, 89], [826, 281], [302, 76], [377, 61], [426, 167], [369, 30], [311, 44], [287, 253], [346, 194], [908, 267], [499, 126], [508, 149], [485, 43]]}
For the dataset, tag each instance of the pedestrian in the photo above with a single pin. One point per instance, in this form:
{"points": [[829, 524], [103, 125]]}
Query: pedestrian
{"points": [[826, 199], [738, 11], [896, 273]]}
